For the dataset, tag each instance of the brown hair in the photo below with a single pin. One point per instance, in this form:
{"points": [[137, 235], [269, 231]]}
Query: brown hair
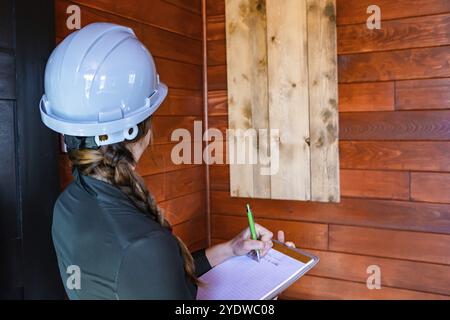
{"points": [[115, 164]]}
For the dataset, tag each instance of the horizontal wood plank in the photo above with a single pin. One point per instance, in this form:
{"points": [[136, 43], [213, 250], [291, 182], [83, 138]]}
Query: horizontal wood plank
{"points": [[157, 159], [182, 102], [430, 187], [407, 125], [217, 77], [311, 287], [423, 94], [426, 31], [173, 184], [375, 184], [217, 103], [395, 65], [395, 155], [191, 231], [215, 27], [354, 183], [185, 208], [156, 12], [432, 278], [179, 74], [163, 127], [426, 217], [372, 96], [191, 5], [355, 11], [215, 7], [417, 246], [305, 235], [161, 43], [217, 52]]}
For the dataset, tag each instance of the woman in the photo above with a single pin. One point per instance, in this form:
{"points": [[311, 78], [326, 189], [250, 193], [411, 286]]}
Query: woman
{"points": [[101, 90]]}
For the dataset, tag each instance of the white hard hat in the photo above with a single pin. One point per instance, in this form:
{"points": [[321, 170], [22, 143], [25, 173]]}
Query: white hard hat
{"points": [[100, 81]]}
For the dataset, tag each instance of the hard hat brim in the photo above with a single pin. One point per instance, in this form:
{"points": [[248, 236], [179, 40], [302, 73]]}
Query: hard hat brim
{"points": [[95, 128]]}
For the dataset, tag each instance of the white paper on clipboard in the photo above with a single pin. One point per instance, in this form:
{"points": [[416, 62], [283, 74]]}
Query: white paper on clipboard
{"points": [[243, 278]]}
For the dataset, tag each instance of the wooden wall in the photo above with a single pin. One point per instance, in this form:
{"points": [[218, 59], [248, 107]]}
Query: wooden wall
{"points": [[172, 31], [394, 87]]}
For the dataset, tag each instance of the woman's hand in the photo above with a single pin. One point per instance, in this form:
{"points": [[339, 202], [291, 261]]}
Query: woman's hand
{"points": [[243, 244], [280, 236]]}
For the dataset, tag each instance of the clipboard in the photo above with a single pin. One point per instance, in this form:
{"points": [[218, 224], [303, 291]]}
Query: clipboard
{"points": [[309, 259], [240, 277]]}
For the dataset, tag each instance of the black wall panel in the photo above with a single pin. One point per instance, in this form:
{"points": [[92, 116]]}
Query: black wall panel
{"points": [[29, 183]]}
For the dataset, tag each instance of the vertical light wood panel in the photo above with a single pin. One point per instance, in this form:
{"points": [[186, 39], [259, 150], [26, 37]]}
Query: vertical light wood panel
{"points": [[288, 96], [282, 75], [247, 83], [323, 100]]}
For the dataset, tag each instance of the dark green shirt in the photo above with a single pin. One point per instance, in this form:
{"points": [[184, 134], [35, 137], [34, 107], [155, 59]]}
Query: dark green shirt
{"points": [[121, 253]]}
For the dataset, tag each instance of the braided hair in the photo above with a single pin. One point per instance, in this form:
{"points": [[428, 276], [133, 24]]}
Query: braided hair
{"points": [[115, 164]]}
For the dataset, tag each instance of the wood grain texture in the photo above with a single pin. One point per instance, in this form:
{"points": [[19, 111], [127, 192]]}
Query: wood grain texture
{"points": [[215, 28], [288, 61], [354, 183], [389, 214], [372, 96], [305, 235], [161, 43], [173, 184], [181, 102], [185, 208], [407, 125], [395, 65], [355, 11], [247, 93], [215, 7], [180, 75], [216, 52], [316, 288], [375, 184], [164, 126], [191, 5], [417, 246], [191, 231], [159, 13], [395, 155], [430, 187], [157, 159], [323, 100], [217, 78], [426, 31], [432, 278], [217, 103], [423, 94]]}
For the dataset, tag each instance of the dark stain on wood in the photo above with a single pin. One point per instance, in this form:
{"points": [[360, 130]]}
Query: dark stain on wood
{"points": [[261, 6], [333, 104], [329, 12], [331, 133], [326, 115]]}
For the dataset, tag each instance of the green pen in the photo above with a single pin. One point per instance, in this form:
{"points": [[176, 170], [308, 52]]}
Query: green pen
{"points": [[251, 223]]}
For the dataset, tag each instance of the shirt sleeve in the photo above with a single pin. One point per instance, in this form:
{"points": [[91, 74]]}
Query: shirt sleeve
{"points": [[152, 268], [201, 262]]}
